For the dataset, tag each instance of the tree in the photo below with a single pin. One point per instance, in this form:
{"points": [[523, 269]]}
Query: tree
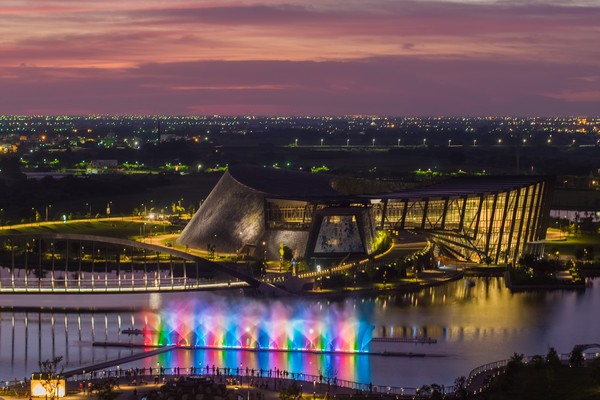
{"points": [[595, 370], [104, 388], [584, 253], [50, 373], [537, 361], [460, 387], [576, 357], [291, 392], [552, 358], [515, 364], [424, 391], [437, 392]]}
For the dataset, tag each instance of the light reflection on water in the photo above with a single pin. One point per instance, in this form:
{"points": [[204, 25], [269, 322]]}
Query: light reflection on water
{"points": [[472, 326]]}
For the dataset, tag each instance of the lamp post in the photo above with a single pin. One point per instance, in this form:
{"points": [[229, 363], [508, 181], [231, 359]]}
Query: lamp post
{"points": [[398, 142], [321, 142], [264, 251]]}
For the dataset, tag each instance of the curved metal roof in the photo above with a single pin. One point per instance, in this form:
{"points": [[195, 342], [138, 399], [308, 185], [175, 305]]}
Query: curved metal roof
{"points": [[306, 186], [284, 182]]}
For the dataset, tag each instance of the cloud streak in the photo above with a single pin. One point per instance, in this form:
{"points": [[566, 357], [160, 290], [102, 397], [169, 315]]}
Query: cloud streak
{"points": [[385, 85], [396, 57]]}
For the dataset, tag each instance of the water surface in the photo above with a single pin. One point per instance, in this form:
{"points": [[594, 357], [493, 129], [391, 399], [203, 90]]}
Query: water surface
{"points": [[472, 326]]}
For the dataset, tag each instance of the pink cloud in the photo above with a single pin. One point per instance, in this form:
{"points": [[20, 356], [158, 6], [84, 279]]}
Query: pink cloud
{"points": [[583, 96], [387, 85], [298, 57]]}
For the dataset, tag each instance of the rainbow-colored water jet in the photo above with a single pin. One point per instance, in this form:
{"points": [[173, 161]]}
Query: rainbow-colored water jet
{"points": [[254, 325]]}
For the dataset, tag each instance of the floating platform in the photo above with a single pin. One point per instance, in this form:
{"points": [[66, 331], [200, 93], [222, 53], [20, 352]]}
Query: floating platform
{"points": [[417, 340], [269, 350]]}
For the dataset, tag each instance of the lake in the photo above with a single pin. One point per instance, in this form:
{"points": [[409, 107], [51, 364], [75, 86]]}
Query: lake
{"points": [[472, 325]]}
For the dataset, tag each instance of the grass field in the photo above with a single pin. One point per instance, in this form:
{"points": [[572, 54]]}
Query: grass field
{"points": [[568, 244], [131, 229]]}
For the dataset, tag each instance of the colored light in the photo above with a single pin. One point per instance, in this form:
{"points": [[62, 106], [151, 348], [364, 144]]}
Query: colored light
{"points": [[267, 326]]}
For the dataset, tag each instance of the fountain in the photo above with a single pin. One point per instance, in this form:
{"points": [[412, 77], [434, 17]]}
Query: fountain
{"points": [[219, 323]]}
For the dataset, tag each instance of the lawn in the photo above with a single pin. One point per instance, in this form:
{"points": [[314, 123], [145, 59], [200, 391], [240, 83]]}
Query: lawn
{"points": [[129, 229], [568, 245]]}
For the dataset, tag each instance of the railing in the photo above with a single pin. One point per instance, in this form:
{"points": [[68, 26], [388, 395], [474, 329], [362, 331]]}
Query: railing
{"points": [[101, 283], [244, 376], [274, 377], [499, 367]]}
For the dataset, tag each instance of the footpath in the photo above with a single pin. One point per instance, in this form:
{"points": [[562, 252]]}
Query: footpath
{"points": [[239, 387]]}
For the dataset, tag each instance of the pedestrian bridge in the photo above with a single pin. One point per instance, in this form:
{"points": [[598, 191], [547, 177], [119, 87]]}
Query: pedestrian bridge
{"points": [[75, 263]]}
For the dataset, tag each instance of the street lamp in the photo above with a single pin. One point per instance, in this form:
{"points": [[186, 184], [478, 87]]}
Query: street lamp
{"points": [[347, 142], [398, 142], [373, 142], [321, 142], [296, 142]]}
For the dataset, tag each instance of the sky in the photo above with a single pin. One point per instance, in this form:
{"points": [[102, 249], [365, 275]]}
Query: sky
{"points": [[296, 57]]}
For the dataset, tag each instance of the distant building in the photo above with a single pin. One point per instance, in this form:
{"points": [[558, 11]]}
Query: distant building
{"points": [[478, 219], [8, 148], [102, 166]]}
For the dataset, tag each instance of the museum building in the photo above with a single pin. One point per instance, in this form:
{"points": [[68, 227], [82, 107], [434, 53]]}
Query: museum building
{"points": [[485, 219]]}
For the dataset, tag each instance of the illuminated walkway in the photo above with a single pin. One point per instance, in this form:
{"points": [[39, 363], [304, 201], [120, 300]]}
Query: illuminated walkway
{"points": [[74, 263], [269, 381]]}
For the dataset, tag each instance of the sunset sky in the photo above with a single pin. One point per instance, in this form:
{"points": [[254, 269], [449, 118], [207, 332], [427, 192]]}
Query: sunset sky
{"points": [[295, 57]]}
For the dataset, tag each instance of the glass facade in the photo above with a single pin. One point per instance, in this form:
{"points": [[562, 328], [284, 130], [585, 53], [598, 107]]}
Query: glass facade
{"points": [[485, 223], [489, 227]]}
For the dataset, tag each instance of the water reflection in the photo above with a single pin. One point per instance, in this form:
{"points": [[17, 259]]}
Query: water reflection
{"points": [[472, 325], [26, 338], [343, 366]]}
